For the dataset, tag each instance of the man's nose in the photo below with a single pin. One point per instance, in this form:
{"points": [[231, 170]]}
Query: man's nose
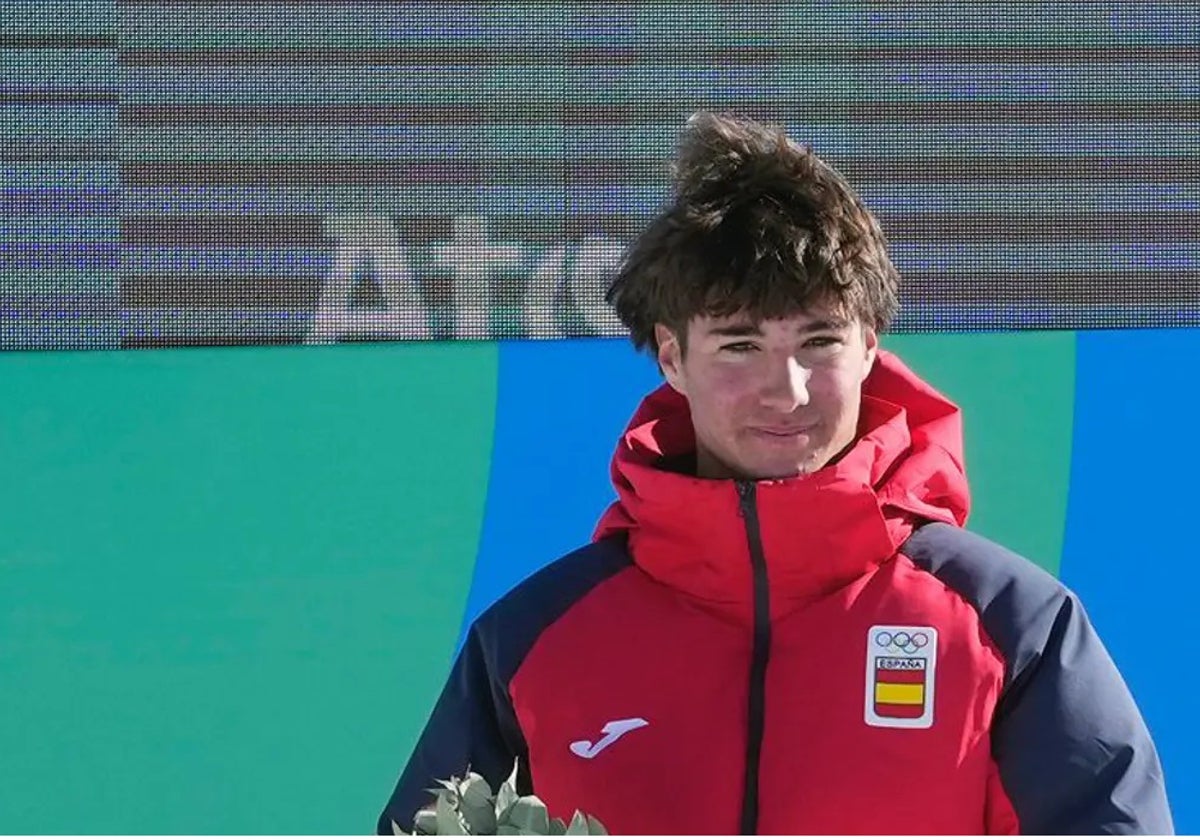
{"points": [[786, 387]]}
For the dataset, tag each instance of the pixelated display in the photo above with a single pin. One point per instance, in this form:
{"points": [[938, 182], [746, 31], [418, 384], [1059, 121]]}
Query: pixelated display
{"points": [[196, 173]]}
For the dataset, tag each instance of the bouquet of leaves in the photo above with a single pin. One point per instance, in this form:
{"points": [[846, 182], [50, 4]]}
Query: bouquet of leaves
{"points": [[468, 806]]}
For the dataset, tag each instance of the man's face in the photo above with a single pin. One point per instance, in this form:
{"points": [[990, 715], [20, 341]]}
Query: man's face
{"points": [[772, 399]]}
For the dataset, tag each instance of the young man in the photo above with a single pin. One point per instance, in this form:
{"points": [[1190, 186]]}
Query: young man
{"points": [[781, 625]]}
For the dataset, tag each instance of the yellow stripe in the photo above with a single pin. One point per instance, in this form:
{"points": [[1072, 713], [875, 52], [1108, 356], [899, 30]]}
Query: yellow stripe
{"points": [[912, 693]]}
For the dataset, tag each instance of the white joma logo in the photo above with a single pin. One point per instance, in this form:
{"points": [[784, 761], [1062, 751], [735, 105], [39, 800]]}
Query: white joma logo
{"points": [[612, 730]]}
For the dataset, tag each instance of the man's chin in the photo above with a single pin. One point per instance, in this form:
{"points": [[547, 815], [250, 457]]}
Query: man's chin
{"points": [[781, 472], [762, 468]]}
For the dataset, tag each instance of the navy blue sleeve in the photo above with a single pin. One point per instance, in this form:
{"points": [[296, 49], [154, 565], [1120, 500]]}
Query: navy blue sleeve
{"points": [[473, 724], [1074, 755]]}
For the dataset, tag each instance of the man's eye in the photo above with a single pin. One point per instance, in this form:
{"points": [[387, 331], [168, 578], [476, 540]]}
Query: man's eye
{"points": [[823, 341], [739, 347]]}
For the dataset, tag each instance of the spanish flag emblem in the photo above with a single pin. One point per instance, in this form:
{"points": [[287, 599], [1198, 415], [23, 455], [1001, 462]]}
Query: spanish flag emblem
{"points": [[900, 693], [900, 676]]}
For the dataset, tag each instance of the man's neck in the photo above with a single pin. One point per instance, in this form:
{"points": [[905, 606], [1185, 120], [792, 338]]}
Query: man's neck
{"points": [[684, 464]]}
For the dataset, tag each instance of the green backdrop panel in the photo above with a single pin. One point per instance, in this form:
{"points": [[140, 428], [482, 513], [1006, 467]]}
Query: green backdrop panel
{"points": [[1017, 393], [227, 576]]}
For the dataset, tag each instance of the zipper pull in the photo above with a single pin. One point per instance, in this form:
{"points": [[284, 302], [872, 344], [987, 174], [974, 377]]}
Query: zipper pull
{"points": [[745, 491]]}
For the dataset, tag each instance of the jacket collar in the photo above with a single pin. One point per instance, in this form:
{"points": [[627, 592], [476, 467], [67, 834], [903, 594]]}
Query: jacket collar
{"points": [[819, 531]]}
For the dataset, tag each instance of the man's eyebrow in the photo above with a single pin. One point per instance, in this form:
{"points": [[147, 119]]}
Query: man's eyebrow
{"points": [[735, 330], [743, 330], [824, 325]]}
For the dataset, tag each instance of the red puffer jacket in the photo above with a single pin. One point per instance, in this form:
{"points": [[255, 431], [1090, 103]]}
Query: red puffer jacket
{"points": [[825, 654]]}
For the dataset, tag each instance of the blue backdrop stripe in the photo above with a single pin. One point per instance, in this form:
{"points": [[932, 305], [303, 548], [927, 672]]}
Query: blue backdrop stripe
{"points": [[560, 407], [1132, 495]]}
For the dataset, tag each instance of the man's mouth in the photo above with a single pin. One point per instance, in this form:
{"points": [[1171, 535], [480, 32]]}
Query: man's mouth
{"points": [[783, 431]]}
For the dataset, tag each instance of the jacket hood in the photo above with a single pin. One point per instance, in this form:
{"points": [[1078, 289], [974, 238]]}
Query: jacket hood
{"points": [[819, 531]]}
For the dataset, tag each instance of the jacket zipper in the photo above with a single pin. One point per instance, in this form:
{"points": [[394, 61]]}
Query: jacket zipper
{"points": [[758, 660]]}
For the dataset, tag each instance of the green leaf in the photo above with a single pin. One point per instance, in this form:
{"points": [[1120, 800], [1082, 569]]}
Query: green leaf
{"points": [[529, 814], [476, 790], [558, 828], [508, 830], [448, 819], [595, 826], [505, 800], [424, 823], [450, 797], [476, 805], [578, 826], [512, 777]]}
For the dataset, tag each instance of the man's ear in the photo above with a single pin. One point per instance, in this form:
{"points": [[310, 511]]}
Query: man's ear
{"points": [[670, 357], [871, 343]]}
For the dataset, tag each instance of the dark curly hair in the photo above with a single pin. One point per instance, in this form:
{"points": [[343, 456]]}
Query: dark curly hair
{"points": [[756, 224]]}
